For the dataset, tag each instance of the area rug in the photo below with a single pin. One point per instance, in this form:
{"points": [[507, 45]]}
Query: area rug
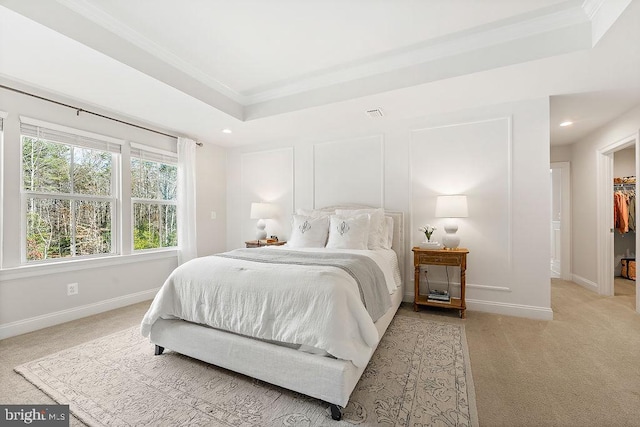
{"points": [[419, 376]]}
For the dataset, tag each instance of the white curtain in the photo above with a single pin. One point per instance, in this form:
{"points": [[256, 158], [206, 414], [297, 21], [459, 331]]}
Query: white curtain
{"points": [[186, 209]]}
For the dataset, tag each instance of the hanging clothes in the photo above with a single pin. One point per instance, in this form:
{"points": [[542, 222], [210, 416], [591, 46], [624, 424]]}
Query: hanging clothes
{"points": [[621, 211], [632, 210], [624, 205]]}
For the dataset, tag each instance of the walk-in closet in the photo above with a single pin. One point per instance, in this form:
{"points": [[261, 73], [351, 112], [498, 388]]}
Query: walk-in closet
{"points": [[624, 186]]}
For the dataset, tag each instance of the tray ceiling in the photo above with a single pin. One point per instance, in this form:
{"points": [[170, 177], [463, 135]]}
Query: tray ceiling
{"points": [[254, 60]]}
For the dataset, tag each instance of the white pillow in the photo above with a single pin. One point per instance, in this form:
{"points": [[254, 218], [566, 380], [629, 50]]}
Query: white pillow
{"points": [[388, 236], [309, 232], [313, 213], [376, 226], [348, 233]]}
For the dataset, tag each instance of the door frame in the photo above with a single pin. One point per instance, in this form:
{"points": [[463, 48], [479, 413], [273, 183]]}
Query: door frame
{"points": [[605, 212], [565, 220]]}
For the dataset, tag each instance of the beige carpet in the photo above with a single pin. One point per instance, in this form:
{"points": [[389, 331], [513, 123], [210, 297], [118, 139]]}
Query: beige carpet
{"points": [[420, 375]]}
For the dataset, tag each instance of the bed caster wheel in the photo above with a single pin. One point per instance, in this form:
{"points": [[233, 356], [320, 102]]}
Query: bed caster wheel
{"points": [[336, 412], [159, 350]]}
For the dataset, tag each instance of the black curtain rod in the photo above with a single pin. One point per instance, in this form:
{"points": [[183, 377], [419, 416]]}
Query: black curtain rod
{"points": [[82, 110]]}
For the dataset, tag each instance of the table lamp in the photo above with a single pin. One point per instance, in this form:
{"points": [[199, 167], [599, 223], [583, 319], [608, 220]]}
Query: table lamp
{"points": [[262, 211], [451, 207]]}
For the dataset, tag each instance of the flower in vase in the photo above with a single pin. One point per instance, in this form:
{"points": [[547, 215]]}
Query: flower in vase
{"points": [[428, 231]]}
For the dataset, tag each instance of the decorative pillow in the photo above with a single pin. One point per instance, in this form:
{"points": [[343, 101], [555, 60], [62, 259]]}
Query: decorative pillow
{"points": [[348, 233], [376, 226], [309, 232], [388, 233], [313, 213]]}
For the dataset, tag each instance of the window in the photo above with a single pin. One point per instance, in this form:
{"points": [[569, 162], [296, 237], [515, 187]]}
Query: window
{"points": [[153, 198], [69, 192]]}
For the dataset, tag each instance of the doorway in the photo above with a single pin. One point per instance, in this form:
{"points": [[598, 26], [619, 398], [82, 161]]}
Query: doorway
{"points": [[606, 242], [561, 220], [624, 235]]}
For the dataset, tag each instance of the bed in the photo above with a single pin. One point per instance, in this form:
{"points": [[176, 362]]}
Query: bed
{"points": [[274, 351]]}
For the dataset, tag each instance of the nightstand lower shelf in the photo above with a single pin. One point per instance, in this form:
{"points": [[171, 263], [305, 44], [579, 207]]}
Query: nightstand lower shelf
{"points": [[455, 303]]}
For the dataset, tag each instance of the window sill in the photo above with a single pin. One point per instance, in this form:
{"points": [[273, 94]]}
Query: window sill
{"points": [[83, 264]]}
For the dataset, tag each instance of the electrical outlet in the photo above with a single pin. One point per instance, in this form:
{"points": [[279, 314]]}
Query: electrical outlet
{"points": [[72, 289]]}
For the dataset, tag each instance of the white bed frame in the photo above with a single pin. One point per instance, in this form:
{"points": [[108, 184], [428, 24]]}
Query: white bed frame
{"points": [[325, 378]]}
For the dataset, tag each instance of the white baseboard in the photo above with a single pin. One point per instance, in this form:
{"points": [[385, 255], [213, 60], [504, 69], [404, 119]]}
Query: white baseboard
{"points": [[585, 283], [508, 309], [39, 322]]}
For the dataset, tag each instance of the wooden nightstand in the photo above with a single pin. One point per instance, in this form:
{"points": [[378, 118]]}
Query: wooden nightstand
{"points": [[446, 257], [260, 243]]}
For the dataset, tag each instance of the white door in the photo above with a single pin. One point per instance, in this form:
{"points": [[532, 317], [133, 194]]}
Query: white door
{"points": [[560, 221], [556, 226]]}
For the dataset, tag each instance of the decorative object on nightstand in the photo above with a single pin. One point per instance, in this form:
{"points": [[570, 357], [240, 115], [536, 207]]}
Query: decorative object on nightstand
{"points": [[428, 243], [262, 211], [451, 207], [261, 243], [440, 298]]}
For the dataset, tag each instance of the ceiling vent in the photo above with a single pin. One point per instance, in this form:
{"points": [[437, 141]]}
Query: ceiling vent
{"points": [[376, 113]]}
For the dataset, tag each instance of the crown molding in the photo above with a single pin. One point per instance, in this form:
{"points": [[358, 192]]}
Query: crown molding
{"points": [[591, 7], [108, 22], [456, 44], [603, 14], [494, 34]]}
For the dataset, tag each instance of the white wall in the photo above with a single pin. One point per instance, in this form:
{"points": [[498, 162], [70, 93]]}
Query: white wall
{"points": [[211, 196], [35, 297], [497, 155], [583, 193], [561, 153], [624, 163]]}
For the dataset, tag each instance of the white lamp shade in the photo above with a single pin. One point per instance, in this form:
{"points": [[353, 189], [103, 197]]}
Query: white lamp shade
{"points": [[262, 210], [452, 207]]}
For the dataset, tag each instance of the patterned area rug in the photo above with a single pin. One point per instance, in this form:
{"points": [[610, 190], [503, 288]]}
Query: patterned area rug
{"points": [[418, 376]]}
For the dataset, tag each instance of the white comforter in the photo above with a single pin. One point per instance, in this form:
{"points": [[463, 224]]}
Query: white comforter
{"points": [[313, 306]]}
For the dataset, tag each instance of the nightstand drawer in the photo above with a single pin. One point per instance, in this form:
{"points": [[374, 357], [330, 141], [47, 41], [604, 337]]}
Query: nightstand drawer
{"points": [[438, 259]]}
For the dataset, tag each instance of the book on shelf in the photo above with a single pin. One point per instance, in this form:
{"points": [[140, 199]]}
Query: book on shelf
{"points": [[442, 297], [440, 301], [438, 295]]}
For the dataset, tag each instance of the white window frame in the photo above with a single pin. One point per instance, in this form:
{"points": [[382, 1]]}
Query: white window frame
{"points": [[156, 155], [114, 197]]}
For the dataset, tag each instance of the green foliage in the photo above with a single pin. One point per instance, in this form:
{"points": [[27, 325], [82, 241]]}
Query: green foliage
{"points": [[155, 226], [60, 226], [154, 222]]}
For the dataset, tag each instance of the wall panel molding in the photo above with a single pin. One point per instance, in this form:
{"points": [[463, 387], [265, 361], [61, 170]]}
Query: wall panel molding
{"points": [[443, 161], [349, 171]]}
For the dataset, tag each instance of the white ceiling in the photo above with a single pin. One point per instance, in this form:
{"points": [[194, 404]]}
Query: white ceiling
{"points": [[283, 69]]}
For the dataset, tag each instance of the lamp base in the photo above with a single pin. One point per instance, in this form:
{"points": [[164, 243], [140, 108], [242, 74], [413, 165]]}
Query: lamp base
{"points": [[261, 233], [451, 240]]}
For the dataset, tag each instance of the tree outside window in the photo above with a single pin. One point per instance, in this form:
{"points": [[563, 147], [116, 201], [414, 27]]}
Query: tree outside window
{"points": [[153, 191], [68, 199]]}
